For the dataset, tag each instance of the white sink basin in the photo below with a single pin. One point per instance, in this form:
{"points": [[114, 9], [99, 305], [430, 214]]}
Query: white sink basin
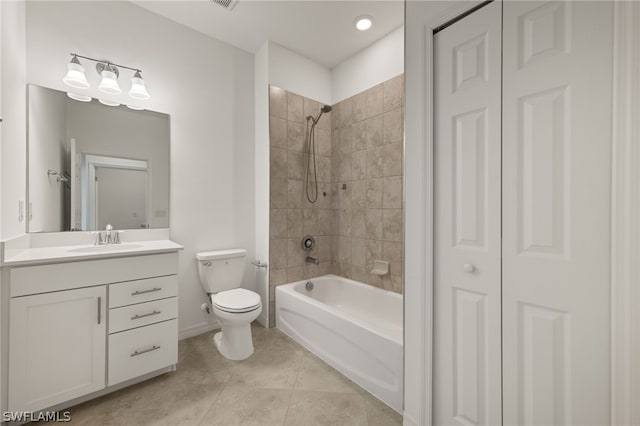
{"points": [[106, 248]]}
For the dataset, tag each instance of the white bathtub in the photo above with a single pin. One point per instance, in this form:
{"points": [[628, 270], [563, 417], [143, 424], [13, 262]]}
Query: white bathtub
{"points": [[354, 327]]}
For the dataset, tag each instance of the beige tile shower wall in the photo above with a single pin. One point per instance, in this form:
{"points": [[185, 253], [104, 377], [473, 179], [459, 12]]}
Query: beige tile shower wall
{"points": [[291, 215], [359, 147], [367, 172]]}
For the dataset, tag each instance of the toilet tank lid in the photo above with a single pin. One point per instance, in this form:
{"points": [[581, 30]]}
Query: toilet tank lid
{"points": [[221, 254]]}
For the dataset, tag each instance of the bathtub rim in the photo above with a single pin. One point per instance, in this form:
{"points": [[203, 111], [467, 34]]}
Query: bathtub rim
{"points": [[290, 289]]}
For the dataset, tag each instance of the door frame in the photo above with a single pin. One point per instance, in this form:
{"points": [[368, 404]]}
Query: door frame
{"points": [[625, 215], [88, 189], [418, 195]]}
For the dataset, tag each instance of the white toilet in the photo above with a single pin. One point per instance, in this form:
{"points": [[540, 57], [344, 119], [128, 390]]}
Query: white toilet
{"points": [[221, 274]]}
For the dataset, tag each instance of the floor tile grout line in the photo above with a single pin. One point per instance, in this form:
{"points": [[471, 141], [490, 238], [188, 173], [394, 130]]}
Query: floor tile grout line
{"points": [[286, 414], [224, 387], [293, 388]]}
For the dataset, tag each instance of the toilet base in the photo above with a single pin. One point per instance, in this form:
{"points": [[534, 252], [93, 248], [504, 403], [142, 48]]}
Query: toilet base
{"points": [[234, 342], [235, 345]]}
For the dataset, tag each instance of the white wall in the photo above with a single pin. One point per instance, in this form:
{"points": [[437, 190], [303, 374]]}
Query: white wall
{"points": [[261, 170], [379, 62], [14, 99], [207, 88], [295, 73], [47, 151]]}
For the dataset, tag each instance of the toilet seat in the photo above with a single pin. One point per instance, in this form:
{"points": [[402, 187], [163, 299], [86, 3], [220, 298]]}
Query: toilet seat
{"points": [[238, 300]]}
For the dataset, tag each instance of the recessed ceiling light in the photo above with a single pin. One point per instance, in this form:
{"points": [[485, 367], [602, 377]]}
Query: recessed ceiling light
{"points": [[363, 22]]}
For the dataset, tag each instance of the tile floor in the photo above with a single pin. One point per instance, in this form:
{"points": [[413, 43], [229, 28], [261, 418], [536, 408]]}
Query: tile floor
{"points": [[281, 384]]}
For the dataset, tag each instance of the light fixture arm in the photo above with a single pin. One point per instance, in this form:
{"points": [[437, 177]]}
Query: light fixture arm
{"points": [[108, 63]]}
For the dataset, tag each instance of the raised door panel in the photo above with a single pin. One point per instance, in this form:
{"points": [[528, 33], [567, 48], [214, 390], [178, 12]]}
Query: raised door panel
{"points": [[467, 221], [57, 347], [556, 203]]}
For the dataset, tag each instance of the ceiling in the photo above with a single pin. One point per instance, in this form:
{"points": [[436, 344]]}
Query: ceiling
{"points": [[322, 31]]}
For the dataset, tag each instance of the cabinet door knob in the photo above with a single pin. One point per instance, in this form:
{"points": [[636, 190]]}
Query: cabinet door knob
{"points": [[468, 268]]}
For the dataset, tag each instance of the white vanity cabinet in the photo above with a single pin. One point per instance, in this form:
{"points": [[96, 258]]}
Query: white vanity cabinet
{"points": [[77, 328], [57, 349]]}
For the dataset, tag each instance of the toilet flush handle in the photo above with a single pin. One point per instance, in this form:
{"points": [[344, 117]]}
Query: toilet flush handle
{"points": [[207, 264], [259, 263]]}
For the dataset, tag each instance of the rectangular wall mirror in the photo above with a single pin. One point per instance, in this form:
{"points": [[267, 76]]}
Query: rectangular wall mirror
{"points": [[91, 165]]}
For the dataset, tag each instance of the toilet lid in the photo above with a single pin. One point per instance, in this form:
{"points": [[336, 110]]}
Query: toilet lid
{"points": [[236, 300]]}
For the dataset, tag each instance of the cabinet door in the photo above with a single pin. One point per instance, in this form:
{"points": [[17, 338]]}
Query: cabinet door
{"points": [[57, 347], [556, 202], [467, 368]]}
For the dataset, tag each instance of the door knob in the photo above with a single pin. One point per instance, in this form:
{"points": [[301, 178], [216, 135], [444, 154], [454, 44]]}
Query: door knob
{"points": [[468, 268]]}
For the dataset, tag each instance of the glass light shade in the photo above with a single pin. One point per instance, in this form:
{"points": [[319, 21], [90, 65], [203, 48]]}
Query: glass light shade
{"points": [[135, 108], [75, 76], [108, 103], [138, 88], [109, 83], [77, 97]]}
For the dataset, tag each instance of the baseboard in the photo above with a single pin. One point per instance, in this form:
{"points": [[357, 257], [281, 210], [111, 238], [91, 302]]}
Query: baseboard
{"points": [[198, 329], [407, 420], [262, 319]]}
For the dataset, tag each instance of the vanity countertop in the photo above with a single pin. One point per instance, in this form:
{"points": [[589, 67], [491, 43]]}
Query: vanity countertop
{"points": [[57, 254]]}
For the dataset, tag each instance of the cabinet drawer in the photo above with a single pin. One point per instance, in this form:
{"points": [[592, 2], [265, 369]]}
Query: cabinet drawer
{"points": [[142, 350], [142, 314], [131, 292]]}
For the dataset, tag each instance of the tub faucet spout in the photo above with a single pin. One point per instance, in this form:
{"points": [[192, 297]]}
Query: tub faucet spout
{"points": [[313, 260]]}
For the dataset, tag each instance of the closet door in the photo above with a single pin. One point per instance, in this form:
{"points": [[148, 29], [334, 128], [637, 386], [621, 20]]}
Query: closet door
{"points": [[467, 388], [556, 203]]}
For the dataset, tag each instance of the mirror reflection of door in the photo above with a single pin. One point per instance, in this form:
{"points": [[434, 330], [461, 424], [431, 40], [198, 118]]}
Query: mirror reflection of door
{"points": [[115, 191], [121, 198]]}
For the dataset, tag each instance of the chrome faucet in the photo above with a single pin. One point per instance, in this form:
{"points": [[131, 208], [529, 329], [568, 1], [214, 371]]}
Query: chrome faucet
{"points": [[313, 260], [110, 236]]}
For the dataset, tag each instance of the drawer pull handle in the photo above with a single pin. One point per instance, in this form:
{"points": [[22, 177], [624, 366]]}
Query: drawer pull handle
{"points": [[135, 317], [152, 348], [137, 293]]}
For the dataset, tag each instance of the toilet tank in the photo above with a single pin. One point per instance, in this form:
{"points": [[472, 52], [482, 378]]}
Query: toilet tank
{"points": [[221, 270]]}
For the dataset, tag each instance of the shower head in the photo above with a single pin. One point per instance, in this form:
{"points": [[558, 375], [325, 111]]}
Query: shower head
{"points": [[325, 109]]}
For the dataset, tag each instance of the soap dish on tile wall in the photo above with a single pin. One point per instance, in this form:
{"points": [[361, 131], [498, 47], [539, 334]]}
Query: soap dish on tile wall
{"points": [[380, 267]]}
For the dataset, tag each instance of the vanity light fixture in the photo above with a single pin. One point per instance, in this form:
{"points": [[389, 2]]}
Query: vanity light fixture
{"points": [[109, 73], [75, 74], [109, 83], [77, 97], [363, 22], [108, 103], [138, 88]]}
